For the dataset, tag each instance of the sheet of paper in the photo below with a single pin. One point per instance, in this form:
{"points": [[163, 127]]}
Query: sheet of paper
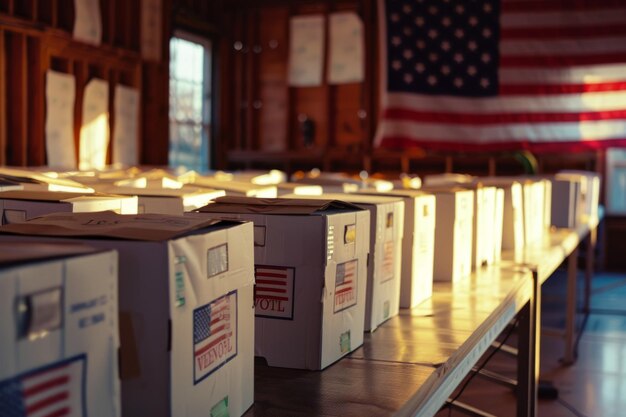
{"points": [[346, 57], [88, 21], [151, 23], [94, 133], [126, 104], [306, 50], [60, 97]]}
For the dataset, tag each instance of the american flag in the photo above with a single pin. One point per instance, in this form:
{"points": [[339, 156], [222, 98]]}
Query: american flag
{"points": [[274, 283], [55, 391], [345, 285], [214, 334], [543, 75]]}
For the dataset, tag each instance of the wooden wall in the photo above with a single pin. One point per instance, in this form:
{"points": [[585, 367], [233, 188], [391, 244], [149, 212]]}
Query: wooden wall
{"points": [[35, 36]]}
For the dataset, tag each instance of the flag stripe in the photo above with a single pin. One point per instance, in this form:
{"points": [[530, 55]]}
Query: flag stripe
{"points": [[561, 132], [602, 101], [499, 118], [529, 89], [577, 75], [565, 32], [510, 18], [270, 275], [560, 61], [558, 5], [65, 411], [46, 402], [609, 46], [275, 290], [272, 297], [39, 388], [211, 344], [270, 282]]}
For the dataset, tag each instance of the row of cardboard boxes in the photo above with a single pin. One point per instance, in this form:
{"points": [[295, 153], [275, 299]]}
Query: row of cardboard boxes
{"points": [[315, 273]]}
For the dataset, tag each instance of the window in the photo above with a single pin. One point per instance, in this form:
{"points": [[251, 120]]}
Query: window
{"points": [[190, 101]]}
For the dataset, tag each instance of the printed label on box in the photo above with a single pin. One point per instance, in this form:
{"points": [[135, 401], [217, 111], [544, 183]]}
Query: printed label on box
{"points": [[346, 285], [214, 335], [274, 291], [344, 342], [388, 264], [46, 391]]}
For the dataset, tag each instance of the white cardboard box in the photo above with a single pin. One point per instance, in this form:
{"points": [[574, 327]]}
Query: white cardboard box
{"points": [[173, 202], [311, 277], [589, 190], [453, 233], [566, 202], [19, 206], [58, 326], [232, 188], [513, 213], [385, 254], [34, 181], [418, 245], [186, 307], [484, 225]]}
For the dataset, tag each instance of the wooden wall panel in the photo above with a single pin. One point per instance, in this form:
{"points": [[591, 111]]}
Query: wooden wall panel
{"points": [[273, 99], [3, 122], [17, 96]]}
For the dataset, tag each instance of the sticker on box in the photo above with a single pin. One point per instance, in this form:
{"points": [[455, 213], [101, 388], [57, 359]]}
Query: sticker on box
{"points": [[346, 285], [274, 291], [221, 408], [388, 261], [46, 391], [214, 335], [344, 342]]}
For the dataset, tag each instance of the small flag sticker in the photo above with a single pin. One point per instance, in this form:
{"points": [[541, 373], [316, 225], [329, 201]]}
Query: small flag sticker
{"points": [[274, 291], [346, 285], [388, 262], [56, 390], [214, 335]]}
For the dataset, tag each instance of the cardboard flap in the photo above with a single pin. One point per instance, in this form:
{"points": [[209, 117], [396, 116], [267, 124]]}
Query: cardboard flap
{"points": [[29, 177], [39, 195], [107, 224], [12, 253], [248, 205]]}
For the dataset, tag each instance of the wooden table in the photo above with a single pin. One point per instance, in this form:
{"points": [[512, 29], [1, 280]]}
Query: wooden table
{"points": [[411, 364]]}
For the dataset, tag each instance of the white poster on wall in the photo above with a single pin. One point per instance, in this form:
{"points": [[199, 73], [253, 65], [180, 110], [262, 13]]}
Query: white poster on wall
{"points": [[94, 133], [346, 57], [126, 105], [306, 50], [59, 129], [88, 21], [151, 25]]}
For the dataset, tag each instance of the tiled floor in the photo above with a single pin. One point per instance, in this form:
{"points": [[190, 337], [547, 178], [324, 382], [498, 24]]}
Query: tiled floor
{"points": [[593, 387]]}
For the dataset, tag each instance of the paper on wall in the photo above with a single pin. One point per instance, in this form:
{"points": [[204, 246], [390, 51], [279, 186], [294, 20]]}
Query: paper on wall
{"points": [[88, 21], [345, 63], [306, 50], [151, 29], [94, 133], [60, 96], [126, 103]]}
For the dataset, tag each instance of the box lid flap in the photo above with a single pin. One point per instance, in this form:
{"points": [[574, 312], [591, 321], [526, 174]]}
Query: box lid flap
{"points": [[107, 224], [53, 196], [250, 205], [13, 253], [29, 177]]}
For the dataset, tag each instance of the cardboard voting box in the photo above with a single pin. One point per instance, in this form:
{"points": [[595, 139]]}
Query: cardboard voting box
{"points": [[7, 185], [59, 332], [512, 213], [148, 182], [232, 188], [34, 181], [385, 254], [186, 307], [311, 277], [534, 193], [333, 182], [418, 245], [19, 206], [453, 233], [566, 204], [499, 225], [168, 201], [272, 177], [589, 192]]}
